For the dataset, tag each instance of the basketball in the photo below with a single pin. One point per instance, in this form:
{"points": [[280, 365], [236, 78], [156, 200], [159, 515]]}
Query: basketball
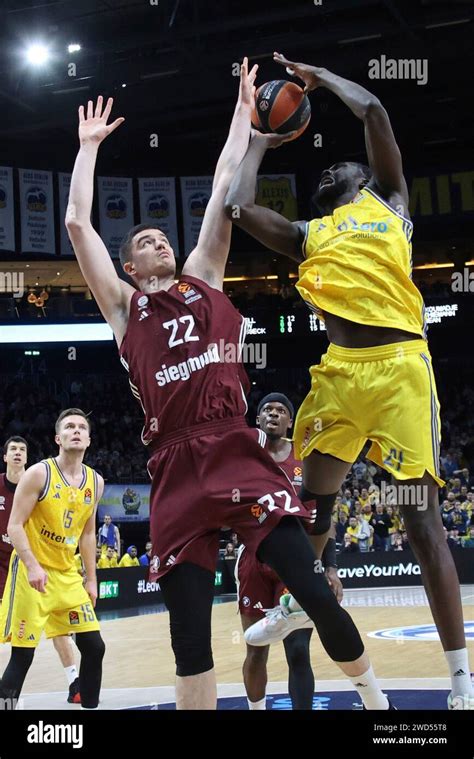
{"points": [[281, 107]]}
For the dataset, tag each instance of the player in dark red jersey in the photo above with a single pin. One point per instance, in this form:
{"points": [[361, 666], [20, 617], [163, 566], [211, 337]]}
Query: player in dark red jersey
{"points": [[206, 466], [15, 452], [259, 588]]}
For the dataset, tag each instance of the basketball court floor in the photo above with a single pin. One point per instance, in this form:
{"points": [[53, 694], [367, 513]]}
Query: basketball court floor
{"points": [[395, 624]]}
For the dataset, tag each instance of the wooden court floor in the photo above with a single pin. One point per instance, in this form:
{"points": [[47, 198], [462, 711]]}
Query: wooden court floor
{"points": [[139, 654]]}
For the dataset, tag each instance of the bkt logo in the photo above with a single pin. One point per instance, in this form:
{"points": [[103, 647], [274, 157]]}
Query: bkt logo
{"points": [[417, 632], [108, 589]]}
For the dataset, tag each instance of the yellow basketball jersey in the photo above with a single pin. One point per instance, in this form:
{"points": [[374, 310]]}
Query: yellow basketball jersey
{"points": [[358, 266], [57, 521]]}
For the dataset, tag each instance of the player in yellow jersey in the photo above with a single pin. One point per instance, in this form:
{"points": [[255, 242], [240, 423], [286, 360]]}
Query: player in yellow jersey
{"points": [[53, 512], [376, 380]]}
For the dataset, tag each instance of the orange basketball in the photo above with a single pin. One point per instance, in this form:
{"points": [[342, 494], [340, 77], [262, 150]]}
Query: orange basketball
{"points": [[281, 107]]}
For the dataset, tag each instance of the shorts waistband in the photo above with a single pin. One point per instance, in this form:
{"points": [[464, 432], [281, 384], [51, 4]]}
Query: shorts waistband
{"points": [[378, 352], [197, 430]]}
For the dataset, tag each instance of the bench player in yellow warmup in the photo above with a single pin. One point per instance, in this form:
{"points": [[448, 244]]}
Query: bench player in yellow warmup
{"points": [[53, 512], [376, 380]]}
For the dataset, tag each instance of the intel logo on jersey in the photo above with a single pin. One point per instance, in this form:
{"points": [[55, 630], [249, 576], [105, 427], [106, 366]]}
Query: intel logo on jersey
{"points": [[51, 535]]}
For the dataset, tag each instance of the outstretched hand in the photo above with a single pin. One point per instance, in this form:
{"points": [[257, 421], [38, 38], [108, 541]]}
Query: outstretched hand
{"points": [[271, 139], [311, 75], [247, 83], [93, 128]]}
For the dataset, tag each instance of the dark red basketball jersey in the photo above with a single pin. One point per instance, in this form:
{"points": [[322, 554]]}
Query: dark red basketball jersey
{"points": [[7, 491], [293, 469], [182, 352]]}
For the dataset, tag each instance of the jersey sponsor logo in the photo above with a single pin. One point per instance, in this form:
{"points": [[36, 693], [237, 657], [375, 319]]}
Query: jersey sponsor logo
{"points": [[297, 471], [73, 617], [58, 486], [2, 503], [87, 495], [246, 601], [142, 301], [184, 369], [51, 535]]}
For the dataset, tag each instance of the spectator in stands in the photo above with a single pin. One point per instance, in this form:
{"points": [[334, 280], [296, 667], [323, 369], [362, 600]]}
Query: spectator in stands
{"points": [[447, 511], [381, 523], [129, 559], [397, 544], [107, 560], [365, 533], [341, 527], [349, 545], [468, 541], [145, 558], [230, 552], [454, 541], [464, 477], [108, 535], [450, 464], [234, 538], [459, 518], [405, 543]]}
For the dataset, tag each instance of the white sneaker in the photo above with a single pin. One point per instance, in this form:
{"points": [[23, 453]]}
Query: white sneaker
{"points": [[276, 625], [460, 702]]}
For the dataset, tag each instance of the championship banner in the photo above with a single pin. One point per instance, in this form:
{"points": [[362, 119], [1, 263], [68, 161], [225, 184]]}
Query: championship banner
{"points": [[64, 184], [115, 211], [278, 192], [37, 211], [195, 194], [158, 206], [7, 215], [125, 503]]}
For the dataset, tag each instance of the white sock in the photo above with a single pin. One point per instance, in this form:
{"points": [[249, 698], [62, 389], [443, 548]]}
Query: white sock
{"points": [[458, 664], [71, 673], [257, 705], [369, 690]]}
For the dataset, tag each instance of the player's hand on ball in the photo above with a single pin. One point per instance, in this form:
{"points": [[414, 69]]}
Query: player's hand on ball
{"points": [[93, 128], [247, 83], [311, 75], [334, 583], [271, 140], [37, 578]]}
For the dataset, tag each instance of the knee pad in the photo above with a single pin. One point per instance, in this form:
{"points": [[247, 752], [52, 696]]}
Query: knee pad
{"points": [[192, 651], [91, 645], [324, 505]]}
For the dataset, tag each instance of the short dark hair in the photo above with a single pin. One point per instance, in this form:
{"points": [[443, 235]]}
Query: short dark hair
{"points": [[126, 246], [14, 439], [71, 412]]}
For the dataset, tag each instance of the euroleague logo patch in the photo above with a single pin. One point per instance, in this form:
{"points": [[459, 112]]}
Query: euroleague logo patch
{"points": [[259, 514], [188, 293], [73, 617], [87, 495]]}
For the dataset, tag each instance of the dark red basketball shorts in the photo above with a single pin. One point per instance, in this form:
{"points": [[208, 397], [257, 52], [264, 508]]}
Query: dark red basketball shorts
{"points": [[211, 476], [258, 586]]}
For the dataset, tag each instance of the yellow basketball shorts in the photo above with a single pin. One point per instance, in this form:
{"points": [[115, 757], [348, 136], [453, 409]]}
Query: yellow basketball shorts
{"points": [[386, 394], [64, 607]]}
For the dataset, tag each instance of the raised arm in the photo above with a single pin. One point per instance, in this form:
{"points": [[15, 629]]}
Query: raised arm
{"points": [[111, 293], [26, 496], [265, 225], [208, 259], [383, 154]]}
